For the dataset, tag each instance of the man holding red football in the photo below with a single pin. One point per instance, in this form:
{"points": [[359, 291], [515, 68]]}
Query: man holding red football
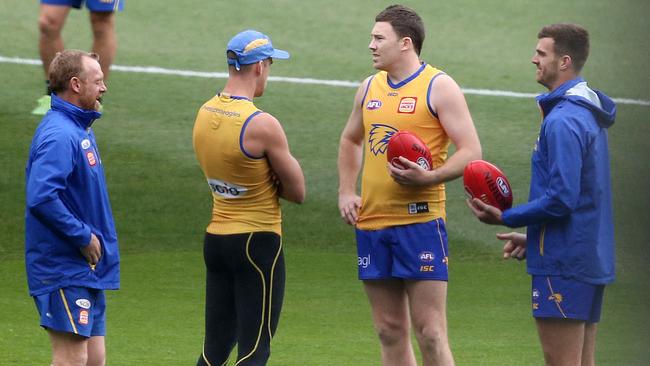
{"points": [[569, 242], [400, 216]]}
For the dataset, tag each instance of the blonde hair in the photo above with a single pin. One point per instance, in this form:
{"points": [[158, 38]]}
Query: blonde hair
{"points": [[66, 65]]}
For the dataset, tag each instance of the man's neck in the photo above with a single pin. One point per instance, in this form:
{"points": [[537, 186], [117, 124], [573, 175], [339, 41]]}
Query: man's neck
{"points": [[401, 71], [239, 87], [69, 97], [562, 78]]}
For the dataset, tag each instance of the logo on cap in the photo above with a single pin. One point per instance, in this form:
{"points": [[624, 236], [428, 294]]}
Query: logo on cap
{"points": [[251, 46]]}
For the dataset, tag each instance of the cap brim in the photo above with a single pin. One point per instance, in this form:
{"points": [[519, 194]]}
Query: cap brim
{"points": [[280, 54]]}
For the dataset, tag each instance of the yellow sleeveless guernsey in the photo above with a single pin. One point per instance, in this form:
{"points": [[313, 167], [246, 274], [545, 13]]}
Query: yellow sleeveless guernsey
{"points": [[244, 198], [388, 108]]}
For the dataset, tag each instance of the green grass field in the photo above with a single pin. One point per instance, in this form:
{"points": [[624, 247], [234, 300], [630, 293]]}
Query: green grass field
{"points": [[162, 204]]}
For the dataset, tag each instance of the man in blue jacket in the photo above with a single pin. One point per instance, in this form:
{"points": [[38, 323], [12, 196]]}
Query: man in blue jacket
{"points": [[71, 250], [569, 241]]}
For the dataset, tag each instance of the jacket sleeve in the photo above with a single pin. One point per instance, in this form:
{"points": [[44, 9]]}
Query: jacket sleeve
{"points": [[52, 163], [564, 147]]}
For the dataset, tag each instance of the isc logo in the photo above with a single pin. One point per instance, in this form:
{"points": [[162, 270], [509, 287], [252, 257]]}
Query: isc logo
{"points": [[225, 189], [426, 269]]}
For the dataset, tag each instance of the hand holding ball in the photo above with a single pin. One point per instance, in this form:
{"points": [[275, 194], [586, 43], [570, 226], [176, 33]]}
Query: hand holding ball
{"points": [[486, 182], [411, 147]]}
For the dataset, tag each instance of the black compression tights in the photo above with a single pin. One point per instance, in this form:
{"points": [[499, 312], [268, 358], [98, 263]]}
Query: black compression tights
{"points": [[244, 293]]}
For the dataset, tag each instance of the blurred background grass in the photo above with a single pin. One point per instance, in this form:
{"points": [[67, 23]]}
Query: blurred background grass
{"points": [[162, 204]]}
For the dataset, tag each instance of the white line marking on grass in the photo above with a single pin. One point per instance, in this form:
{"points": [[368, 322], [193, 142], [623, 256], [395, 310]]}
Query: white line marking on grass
{"points": [[340, 83]]}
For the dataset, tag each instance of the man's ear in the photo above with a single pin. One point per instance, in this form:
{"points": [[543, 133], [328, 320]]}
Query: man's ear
{"points": [[258, 67], [75, 84], [566, 62], [407, 43]]}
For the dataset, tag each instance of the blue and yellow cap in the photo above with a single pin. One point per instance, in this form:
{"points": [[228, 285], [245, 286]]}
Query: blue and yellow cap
{"points": [[251, 46]]}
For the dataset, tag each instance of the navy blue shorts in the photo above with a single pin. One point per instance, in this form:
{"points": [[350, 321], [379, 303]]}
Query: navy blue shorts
{"points": [[92, 5], [76, 310], [415, 251], [557, 297]]}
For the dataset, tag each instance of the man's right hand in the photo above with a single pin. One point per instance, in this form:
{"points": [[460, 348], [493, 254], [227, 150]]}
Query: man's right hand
{"points": [[349, 205], [93, 251], [515, 245]]}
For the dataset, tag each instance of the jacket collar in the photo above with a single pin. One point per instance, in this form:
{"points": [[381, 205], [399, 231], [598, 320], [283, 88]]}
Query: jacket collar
{"points": [[83, 117], [548, 100]]}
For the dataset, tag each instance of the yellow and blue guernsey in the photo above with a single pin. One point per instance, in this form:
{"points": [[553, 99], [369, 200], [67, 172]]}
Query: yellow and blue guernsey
{"points": [[245, 198], [388, 108]]}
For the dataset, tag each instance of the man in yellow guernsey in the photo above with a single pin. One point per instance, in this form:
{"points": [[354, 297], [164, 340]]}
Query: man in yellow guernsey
{"points": [[245, 157], [400, 216]]}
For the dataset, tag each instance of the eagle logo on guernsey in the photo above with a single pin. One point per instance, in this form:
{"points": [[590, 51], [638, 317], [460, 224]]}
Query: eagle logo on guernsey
{"points": [[373, 104], [407, 105], [85, 143], [378, 137]]}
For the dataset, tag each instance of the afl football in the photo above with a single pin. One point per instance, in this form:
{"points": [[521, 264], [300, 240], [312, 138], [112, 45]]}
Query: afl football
{"points": [[410, 146], [486, 182]]}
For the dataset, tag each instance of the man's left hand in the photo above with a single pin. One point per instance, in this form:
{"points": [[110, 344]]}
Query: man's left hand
{"points": [[486, 213], [410, 175]]}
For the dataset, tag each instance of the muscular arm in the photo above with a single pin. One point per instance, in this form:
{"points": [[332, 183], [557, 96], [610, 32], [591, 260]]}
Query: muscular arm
{"points": [[449, 103], [265, 136], [349, 160]]}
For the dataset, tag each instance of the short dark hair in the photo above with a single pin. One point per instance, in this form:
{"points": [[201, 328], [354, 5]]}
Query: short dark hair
{"points": [[406, 23], [66, 65], [570, 39]]}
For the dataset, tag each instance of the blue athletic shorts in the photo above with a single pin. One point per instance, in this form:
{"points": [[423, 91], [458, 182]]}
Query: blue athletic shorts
{"points": [[77, 310], [92, 5], [557, 297], [415, 251]]}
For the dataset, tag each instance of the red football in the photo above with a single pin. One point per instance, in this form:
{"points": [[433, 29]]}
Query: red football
{"points": [[486, 182], [410, 146]]}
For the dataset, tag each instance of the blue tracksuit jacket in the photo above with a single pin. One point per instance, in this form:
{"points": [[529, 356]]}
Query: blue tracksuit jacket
{"points": [[66, 201], [569, 212]]}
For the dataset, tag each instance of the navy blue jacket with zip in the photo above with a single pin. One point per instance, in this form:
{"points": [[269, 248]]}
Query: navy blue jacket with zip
{"points": [[67, 200], [570, 229]]}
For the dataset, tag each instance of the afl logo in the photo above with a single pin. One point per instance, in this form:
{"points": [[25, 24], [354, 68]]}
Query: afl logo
{"points": [[373, 104], [422, 161], [426, 257], [503, 187]]}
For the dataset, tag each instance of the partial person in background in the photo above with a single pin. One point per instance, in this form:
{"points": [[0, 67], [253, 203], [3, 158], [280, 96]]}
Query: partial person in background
{"points": [[52, 17], [71, 249], [400, 216], [569, 242], [245, 157]]}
